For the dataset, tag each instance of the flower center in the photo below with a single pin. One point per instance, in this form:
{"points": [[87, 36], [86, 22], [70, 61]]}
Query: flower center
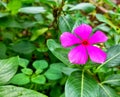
{"points": [[85, 42]]}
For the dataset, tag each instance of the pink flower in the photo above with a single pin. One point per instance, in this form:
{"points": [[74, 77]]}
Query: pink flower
{"points": [[83, 42]]}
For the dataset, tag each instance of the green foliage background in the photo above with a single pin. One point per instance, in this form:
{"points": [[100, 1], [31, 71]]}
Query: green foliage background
{"points": [[34, 64]]}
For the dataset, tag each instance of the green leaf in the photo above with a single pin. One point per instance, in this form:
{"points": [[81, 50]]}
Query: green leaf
{"points": [[113, 57], [113, 80], [66, 23], [23, 47], [14, 6], [58, 51], [57, 66], [40, 64], [86, 7], [32, 10], [39, 79], [27, 71], [106, 91], [37, 33], [80, 84], [8, 68], [3, 14], [13, 91], [3, 50], [23, 62], [20, 79], [53, 74], [102, 18], [9, 22]]}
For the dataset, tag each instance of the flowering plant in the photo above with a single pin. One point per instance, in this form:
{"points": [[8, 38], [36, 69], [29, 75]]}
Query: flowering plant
{"points": [[84, 41]]}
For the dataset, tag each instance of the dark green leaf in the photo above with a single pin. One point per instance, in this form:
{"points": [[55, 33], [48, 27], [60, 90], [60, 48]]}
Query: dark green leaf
{"points": [[106, 91], [113, 80], [13, 91], [53, 74], [58, 51], [8, 68], [24, 47], [3, 50], [57, 66], [113, 56], [80, 84], [66, 23]]}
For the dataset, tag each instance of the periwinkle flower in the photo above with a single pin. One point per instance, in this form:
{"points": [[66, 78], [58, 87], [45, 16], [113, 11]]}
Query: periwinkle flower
{"points": [[84, 44]]}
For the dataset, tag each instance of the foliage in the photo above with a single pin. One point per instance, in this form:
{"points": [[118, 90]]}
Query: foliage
{"points": [[34, 64]]}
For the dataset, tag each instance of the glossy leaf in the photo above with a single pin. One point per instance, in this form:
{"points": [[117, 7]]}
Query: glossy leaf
{"points": [[13, 91], [66, 23], [32, 10], [58, 51], [8, 68], [113, 80], [80, 84], [86, 7], [106, 91], [113, 56]]}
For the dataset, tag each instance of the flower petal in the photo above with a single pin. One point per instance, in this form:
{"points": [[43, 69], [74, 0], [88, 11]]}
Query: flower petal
{"points": [[68, 39], [78, 55], [96, 54], [98, 37], [83, 31]]}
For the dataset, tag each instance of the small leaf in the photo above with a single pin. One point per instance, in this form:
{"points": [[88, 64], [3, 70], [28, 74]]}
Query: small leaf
{"points": [[32, 10], [8, 68], [86, 7], [20, 79], [40, 64], [14, 6], [39, 79], [13, 91], [37, 33], [27, 71], [23, 62], [80, 84], [57, 66], [53, 74]]}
